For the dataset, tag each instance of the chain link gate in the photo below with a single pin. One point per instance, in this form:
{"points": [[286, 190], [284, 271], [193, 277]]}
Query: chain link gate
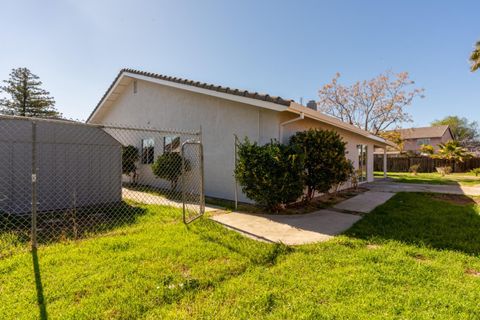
{"points": [[67, 180], [193, 196]]}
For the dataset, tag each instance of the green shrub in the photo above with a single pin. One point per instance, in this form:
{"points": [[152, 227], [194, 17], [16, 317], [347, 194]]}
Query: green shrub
{"points": [[271, 175], [130, 156], [325, 163], [427, 149], [475, 171], [414, 169], [444, 170], [168, 166]]}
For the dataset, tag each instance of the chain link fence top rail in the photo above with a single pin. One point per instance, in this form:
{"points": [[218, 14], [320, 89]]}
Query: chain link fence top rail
{"points": [[67, 180]]}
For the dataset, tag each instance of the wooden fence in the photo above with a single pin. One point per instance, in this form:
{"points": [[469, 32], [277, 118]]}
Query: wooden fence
{"points": [[400, 164]]}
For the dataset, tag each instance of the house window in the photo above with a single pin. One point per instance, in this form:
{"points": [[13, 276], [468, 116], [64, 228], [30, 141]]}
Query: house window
{"points": [[362, 150], [423, 141], [148, 151], [171, 144]]}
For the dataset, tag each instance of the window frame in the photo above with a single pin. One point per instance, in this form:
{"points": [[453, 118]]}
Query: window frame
{"points": [[425, 141], [362, 154], [148, 151]]}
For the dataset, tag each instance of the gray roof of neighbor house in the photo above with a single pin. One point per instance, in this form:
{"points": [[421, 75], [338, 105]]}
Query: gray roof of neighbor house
{"points": [[423, 132]]}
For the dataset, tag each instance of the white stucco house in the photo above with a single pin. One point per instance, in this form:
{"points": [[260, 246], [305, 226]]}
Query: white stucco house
{"points": [[142, 99]]}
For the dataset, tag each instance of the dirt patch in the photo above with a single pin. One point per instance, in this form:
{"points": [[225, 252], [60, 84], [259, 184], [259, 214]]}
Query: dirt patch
{"points": [[473, 272], [323, 201], [320, 202], [456, 199], [420, 258]]}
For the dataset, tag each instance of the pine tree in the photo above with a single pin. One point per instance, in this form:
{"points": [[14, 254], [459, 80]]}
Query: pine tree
{"points": [[27, 98]]}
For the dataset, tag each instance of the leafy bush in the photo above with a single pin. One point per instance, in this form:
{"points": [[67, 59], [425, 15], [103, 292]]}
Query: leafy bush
{"points": [[168, 166], [130, 156], [444, 170], [325, 164], [475, 171], [427, 149], [414, 169], [271, 175]]}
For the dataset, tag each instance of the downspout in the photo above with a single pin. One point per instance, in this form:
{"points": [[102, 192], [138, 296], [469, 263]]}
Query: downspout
{"points": [[280, 129]]}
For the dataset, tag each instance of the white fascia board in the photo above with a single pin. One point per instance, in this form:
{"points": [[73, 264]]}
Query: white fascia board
{"points": [[316, 115], [107, 97], [223, 95]]}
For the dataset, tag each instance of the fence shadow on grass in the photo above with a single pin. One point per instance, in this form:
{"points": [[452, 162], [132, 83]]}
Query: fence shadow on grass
{"points": [[439, 221], [67, 224], [43, 315]]}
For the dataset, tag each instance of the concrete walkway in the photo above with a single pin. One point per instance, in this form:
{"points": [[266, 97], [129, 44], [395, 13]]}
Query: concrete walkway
{"points": [[388, 186], [289, 229], [298, 229], [364, 202], [149, 198]]}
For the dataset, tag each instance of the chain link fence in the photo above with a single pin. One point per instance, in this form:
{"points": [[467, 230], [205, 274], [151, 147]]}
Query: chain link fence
{"points": [[67, 180]]}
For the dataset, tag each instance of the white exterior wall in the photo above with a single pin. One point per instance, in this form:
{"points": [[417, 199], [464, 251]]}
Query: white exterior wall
{"points": [[351, 138], [161, 107]]}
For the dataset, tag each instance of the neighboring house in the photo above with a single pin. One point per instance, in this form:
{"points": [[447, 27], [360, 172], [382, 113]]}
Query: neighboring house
{"points": [[142, 99], [76, 164], [414, 138]]}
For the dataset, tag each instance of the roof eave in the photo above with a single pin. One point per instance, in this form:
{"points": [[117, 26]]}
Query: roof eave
{"points": [[316, 115], [283, 106]]}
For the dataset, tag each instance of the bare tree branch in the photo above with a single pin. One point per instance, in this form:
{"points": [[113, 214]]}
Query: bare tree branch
{"points": [[373, 105]]}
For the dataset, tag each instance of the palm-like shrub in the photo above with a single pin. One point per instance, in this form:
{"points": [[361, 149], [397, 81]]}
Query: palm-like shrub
{"points": [[453, 152], [475, 57]]}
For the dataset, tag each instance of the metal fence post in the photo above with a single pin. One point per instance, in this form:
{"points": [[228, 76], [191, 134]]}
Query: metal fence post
{"points": [[182, 154], [235, 139], [202, 174], [34, 185]]}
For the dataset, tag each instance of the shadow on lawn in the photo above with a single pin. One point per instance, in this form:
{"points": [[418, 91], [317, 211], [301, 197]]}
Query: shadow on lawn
{"points": [[444, 222], [64, 224], [39, 286]]}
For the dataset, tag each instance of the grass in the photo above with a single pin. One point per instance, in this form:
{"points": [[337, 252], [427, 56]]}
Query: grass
{"points": [[417, 256], [464, 179]]}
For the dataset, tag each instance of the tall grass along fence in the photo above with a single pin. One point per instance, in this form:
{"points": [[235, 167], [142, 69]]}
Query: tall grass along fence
{"points": [[66, 180], [427, 164]]}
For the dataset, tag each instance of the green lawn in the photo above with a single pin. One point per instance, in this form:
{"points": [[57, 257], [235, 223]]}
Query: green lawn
{"points": [[417, 256], [465, 179]]}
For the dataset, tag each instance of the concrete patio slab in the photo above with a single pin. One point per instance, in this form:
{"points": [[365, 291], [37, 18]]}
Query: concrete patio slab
{"points": [[289, 229], [364, 202]]}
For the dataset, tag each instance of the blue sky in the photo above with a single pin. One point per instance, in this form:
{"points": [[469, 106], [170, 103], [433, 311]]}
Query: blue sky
{"points": [[287, 48]]}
